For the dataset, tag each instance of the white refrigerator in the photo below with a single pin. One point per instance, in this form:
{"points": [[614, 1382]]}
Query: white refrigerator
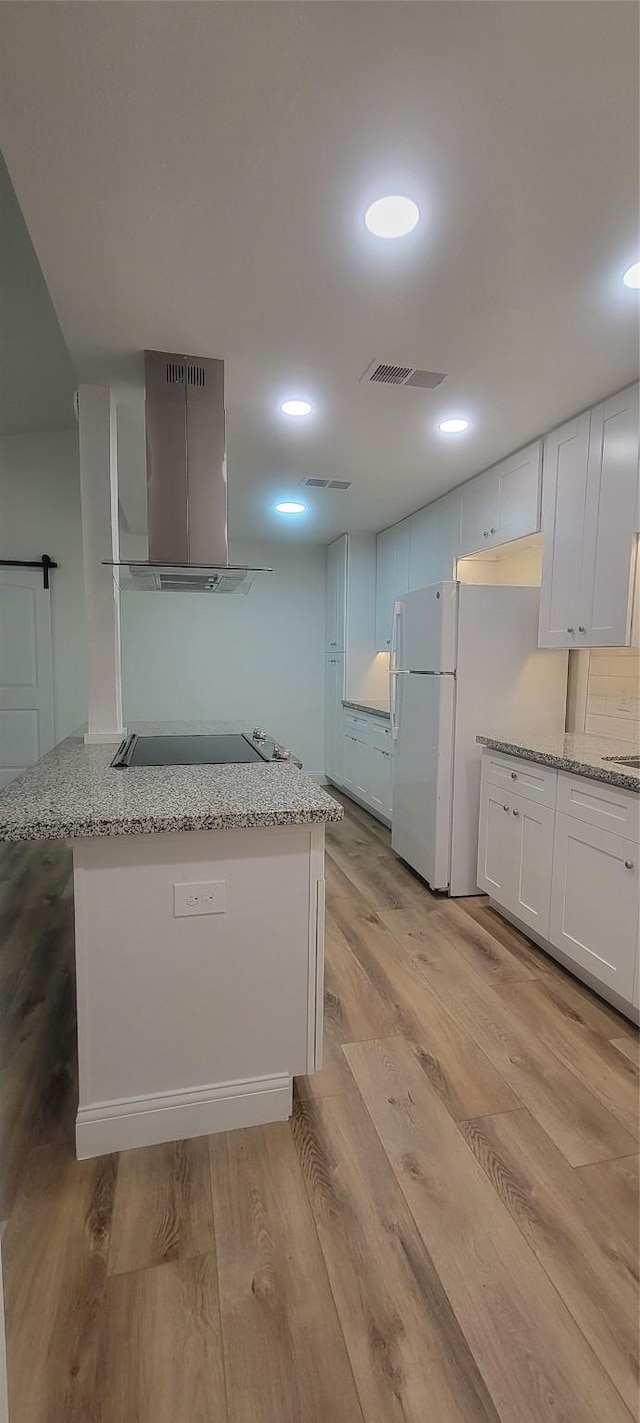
{"points": [[464, 661]]}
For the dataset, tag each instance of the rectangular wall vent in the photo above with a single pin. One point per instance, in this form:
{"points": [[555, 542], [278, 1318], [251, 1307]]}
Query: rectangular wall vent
{"points": [[312, 483], [183, 373], [380, 373]]}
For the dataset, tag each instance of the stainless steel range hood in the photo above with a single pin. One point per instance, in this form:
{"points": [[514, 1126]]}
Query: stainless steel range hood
{"points": [[186, 481]]}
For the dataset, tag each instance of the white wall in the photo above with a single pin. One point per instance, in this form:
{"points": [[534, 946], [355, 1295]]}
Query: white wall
{"points": [[40, 513], [259, 658]]}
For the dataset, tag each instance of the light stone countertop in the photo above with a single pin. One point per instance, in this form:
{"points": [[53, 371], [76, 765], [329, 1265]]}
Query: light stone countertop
{"points": [[74, 792], [370, 708], [581, 754]]}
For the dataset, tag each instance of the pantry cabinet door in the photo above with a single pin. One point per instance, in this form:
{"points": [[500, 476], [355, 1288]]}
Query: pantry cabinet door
{"points": [[594, 902], [609, 534], [497, 846], [532, 827], [564, 492], [336, 595], [385, 584], [422, 550], [393, 551]]}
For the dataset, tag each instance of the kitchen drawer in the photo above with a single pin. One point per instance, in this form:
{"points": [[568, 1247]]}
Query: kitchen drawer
{"points": [[355, 725], [598, 803], [381, 735], [534, 782]]}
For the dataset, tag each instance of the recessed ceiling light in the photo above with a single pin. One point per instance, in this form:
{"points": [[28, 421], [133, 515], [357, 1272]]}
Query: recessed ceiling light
{"points": [[453, 427], [290, 507], [296, 407], [392, 217], [631, 277]]}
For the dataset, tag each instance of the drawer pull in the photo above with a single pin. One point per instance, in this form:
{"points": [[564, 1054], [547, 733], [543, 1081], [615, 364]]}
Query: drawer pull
{"points": [[571, 630], [505, 807], [514, 775], [516, 812], [581, 628], [628, 864]]}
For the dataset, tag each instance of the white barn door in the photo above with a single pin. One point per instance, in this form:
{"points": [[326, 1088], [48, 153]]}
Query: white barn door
{"points": [[26, 677]]}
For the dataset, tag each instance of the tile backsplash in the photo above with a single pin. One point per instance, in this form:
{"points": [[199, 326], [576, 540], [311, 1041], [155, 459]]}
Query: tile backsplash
{"points": [[613, 693]]}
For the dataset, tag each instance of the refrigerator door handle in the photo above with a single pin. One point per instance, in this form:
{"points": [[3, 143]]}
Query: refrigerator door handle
{"points": [[393, 671], [393, 658]]}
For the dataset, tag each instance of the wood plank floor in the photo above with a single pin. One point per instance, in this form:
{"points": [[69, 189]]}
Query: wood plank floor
{"points": [[445, 1232]]}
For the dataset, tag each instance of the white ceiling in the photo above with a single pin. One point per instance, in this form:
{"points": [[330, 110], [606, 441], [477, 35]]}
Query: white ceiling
{"points": [[36, 375], [194, 178]]}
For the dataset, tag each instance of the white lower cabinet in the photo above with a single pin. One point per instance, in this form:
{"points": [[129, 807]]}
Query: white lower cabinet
{"points": [[569, 878], [594, 903], [515, 855], [365, 764], [334, 718], [381, 781]]}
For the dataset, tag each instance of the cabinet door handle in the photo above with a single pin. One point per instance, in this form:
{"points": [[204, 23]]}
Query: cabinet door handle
{"points": [[492, 531], [514, 775], [571, 630], [515, 812], [505, 807], [581, 628], [485, 534], [628, 864]]}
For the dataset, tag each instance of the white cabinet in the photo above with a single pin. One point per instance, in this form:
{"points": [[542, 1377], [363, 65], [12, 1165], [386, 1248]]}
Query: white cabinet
{"points": [[392, 577], [503, 503], [594, 906], [589, 517], [336, 622], [366, 773], [434, 540], [559, 854], [334, 717], [515, 855]]}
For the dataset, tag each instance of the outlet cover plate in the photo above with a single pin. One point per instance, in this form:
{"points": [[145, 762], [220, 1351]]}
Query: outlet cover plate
{"points": [[203, 897]]}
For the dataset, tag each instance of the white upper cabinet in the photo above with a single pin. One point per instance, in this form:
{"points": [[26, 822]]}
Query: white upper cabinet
{"points": [[589, 517], [392, 577], [434, 539], [609, 533], [336, 595], [503, 503]]}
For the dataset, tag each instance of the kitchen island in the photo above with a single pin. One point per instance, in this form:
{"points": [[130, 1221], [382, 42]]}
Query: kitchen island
{"points": [[199, 908]]}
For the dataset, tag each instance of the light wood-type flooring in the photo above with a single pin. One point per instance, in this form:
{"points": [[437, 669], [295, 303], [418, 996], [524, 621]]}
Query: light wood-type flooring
{"points": [[446, 1231]]}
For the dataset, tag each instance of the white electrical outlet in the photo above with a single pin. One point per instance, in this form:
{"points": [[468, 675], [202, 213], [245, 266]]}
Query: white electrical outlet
{"points": [[208, 897]]}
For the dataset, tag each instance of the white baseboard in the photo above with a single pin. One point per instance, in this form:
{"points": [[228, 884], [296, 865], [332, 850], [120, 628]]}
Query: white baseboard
{"points": [[104, 1127]]}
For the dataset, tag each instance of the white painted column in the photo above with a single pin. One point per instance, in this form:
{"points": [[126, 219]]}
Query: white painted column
{"points": [[100, 540]]}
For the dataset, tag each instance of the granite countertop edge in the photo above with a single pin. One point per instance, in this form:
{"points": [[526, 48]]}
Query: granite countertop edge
{"points": [[609, 773], [73, 793], [367, 709]]}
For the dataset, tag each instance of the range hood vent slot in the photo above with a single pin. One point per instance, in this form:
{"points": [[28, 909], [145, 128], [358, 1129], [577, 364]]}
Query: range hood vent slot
{"points": [[382, 373]]}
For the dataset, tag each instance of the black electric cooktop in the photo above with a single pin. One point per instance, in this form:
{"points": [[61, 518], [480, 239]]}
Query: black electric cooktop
{"points": [[196, 750]]}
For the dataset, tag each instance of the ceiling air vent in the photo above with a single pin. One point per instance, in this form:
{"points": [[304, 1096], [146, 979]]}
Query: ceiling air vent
{"points": [[379, 373], [312, 483]]}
